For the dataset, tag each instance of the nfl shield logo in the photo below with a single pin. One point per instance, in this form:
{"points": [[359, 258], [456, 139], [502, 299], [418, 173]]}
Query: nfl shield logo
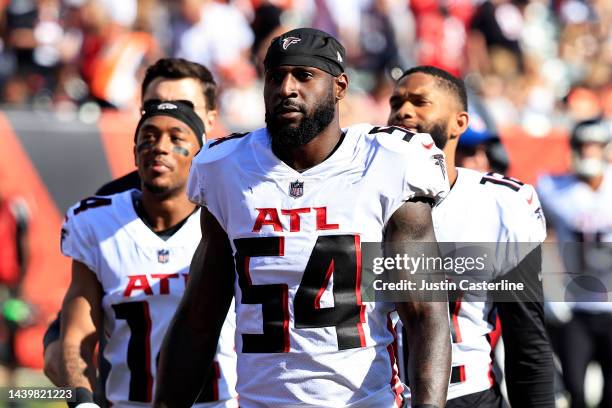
{"points": [[163, 256], [296, 189]]}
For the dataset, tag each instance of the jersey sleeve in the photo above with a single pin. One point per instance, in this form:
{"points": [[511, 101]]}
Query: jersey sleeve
{"points": [[523, 216], [523, 227], [77, 241], [412, 168]]}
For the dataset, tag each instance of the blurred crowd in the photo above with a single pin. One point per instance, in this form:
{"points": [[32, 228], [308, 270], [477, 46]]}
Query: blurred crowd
{"points": [[537, 63]]}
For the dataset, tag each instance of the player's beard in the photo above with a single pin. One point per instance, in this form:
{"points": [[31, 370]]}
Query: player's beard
{"points": [[161, 191], [438, 132], [287, 136]]}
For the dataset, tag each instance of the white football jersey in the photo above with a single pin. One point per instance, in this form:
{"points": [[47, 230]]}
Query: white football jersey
{"points": [[582, 218], [497, 210], [143, 279], [304, 336]]}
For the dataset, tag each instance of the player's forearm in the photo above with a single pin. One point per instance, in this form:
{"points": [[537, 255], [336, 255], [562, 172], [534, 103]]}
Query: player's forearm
{"points": [[189, 345], [429, 343], [77, 368]]}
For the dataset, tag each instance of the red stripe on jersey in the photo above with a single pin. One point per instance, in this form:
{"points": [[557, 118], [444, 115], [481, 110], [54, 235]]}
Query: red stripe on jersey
{"points": [[281, 246], [247, 273], [215, 381], [495, 334], [493, 337], [147, 318], [396, 385], [362, 319], [491, 374], [286, 341], [330, 270], [456, 330]]}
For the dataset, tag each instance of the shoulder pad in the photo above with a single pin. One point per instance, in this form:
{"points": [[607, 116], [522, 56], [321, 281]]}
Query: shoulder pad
{"points": [[405, 134], [219, 148], [401, 140], [511, 190], [496, 179], [91, 202]]}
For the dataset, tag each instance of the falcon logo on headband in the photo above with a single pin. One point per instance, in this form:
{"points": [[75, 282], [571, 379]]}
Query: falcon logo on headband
{"points": [[290, 40]]}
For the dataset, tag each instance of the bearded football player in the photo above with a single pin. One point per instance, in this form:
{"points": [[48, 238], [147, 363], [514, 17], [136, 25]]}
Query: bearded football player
{"points": [[498, 211], [285, 209]]}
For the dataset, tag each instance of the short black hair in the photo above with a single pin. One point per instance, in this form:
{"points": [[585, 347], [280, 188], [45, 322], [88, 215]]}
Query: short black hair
{"points": [[445, 79], [179, 68]]}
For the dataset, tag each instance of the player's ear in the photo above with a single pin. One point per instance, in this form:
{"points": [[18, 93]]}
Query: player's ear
{"points": [[210, 120], [459, 124], [341, 84]]}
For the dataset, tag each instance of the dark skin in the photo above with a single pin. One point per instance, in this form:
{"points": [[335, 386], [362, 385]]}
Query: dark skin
{"points": [[289, 87], [291, 92], [429, 365], [163, 168]]}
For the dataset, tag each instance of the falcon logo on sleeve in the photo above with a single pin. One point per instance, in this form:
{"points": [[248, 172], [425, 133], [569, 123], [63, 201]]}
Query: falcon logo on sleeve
{"points": [[439, 158]]}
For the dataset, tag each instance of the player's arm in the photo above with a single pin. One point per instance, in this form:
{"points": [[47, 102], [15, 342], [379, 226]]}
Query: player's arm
{"points": [[80, 325], [52, 351], [528, 356], [426, 322], [191, 340]]}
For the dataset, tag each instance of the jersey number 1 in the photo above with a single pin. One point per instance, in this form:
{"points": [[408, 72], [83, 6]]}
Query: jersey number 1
{"points": [[337, 255], [138, 319]]}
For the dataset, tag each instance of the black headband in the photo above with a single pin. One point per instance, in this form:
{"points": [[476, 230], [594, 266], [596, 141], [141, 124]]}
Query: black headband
{"points": [[307, 47], [176, 109]]}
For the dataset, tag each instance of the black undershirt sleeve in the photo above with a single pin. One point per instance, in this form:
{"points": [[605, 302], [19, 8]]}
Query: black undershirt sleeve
{"points": [[53, 332], [528, 363]]}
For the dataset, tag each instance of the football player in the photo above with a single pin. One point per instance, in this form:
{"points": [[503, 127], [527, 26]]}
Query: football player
{"points": [[578, 205], [130, 258], [285, 209], [482, 208], [167, 79]]}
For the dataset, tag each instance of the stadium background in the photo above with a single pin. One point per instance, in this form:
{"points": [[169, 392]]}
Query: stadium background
{"points": [[70, 72]]}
